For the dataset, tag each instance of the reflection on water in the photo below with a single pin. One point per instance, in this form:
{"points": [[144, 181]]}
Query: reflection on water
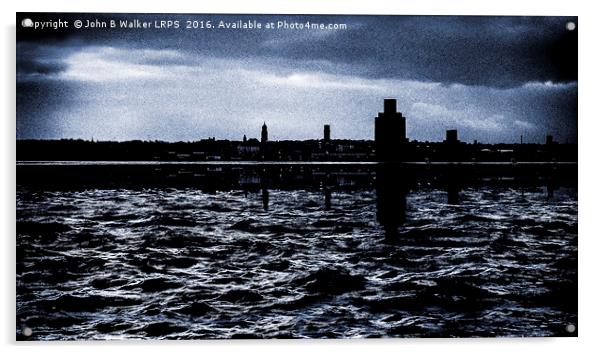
{"points": [[295, 252], [391, 189]]}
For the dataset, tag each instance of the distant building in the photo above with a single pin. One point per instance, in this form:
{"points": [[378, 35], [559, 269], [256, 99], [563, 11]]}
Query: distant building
{"points": [[244, 138], [264, 133], [326, 132], [248, 149], [451, 136], [248, 146], [549, 139], [389, 132]]}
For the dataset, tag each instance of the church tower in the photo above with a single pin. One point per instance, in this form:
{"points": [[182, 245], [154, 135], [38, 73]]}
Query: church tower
{"points": [[264, 133]]}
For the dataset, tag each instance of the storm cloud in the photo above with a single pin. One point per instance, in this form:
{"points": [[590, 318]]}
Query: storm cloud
{"points": [[493, 78]]}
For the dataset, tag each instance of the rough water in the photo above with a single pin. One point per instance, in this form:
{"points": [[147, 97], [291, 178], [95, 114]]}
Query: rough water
{"points": [[186, 264]]}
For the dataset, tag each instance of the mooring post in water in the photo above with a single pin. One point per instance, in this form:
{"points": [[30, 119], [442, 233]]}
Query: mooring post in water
{"points": [[265, 194], [326, 183], [327, 198], [265, 197]]}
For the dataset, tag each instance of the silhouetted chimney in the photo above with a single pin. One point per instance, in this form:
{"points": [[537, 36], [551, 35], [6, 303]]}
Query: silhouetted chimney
{"points": [[549, 140], [326, 132]]}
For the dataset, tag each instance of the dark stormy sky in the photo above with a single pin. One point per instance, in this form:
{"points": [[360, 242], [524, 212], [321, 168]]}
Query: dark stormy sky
{"points": [[492, 78]]}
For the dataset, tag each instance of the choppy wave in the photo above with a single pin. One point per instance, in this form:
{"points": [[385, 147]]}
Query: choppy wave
{"points": [[180, 263]]}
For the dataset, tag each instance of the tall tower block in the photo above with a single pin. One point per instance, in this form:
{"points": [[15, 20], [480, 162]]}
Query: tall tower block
{"points": [[451, 136], [389, 132]]}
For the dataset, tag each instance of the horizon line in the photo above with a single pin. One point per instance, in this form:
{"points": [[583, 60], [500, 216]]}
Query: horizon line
{"points": [[214, 139]]}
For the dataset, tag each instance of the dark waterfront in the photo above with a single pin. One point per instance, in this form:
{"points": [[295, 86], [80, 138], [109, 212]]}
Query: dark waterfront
{"points": [[295, 250]]}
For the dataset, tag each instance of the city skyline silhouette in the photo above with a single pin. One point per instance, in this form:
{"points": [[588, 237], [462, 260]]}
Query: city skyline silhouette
{"points": [[390, 144]]}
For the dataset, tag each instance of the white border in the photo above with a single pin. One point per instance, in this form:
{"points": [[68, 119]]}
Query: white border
{"points": [[590, 133]]}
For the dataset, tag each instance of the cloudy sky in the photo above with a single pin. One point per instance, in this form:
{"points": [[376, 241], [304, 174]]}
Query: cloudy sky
{"points": [[492, 78]]}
